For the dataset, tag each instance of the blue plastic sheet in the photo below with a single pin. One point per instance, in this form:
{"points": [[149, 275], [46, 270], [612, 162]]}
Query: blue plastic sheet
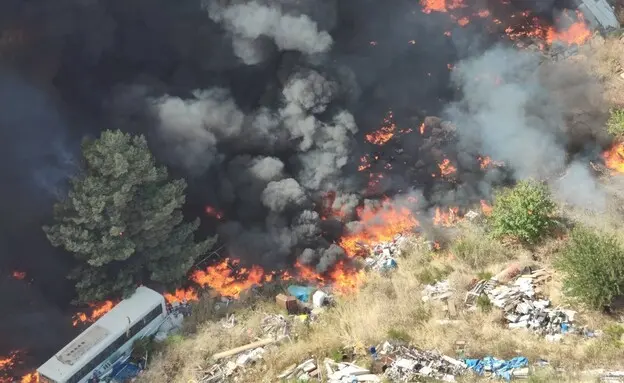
{"points": [[500, 368], [302, 293]]}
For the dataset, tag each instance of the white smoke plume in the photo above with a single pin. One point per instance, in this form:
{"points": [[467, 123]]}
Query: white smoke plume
{"points": [[252, 21], [513, 110]]}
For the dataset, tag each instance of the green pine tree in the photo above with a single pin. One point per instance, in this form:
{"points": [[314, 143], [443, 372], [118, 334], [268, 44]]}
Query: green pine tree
{"points": [[122, 220]]}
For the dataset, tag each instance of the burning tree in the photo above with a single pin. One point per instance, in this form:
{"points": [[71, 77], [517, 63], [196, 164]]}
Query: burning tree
{"points": [[122, 220]]}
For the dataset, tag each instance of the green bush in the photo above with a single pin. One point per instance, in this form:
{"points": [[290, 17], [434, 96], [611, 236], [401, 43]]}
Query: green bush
{"points": [[615, 123], [484, 304], [523, 212], [592, 265]]}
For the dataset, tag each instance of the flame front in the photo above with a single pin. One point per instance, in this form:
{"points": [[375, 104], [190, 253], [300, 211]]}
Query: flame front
{"points": [[614, 158], [182, 295], [384, 134], [446, 219], [377, 225], [19, 275], [446, 168], [576, 33], [222, 278], [97, 310]]}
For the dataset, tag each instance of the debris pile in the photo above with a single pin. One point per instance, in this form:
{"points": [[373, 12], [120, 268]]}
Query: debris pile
{"points": [[409, 364], [522, 306], [439, 291], [329, 371], [276, 326], [382, 257]]}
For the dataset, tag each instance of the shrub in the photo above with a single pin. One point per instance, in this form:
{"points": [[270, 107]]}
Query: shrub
{"points": [[592, 265], [524, 212], [615, 123], [484, 304]]}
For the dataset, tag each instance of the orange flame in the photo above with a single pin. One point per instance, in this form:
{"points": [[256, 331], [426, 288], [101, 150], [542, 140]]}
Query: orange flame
{"points": [[221, 278], [384, 134], [445, 219], [33, 377], [378, 225], [98, 309], [577, 33], [7, 362], [422, 128], [182, 295], [485, 208], [446, 168], [429, 6], [19, 275], [614, 158], [364, 163]]}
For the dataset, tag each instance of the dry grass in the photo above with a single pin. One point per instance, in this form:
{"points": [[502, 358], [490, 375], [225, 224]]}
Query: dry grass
{"points": [[605, 58], [390, 306]]}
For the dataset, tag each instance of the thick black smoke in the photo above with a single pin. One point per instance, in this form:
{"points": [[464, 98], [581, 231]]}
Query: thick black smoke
{"points": [[261, 105]]}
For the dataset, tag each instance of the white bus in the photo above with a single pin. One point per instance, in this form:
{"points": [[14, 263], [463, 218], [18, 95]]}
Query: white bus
{"points": [[107, 341]]}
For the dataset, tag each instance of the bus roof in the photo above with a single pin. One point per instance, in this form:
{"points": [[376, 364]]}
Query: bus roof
{"points": [[96, 338]]}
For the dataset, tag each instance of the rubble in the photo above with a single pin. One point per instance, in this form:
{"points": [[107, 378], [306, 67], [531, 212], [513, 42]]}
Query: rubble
{"points": [[330, 371], [276, 326], [408, 364], [441, 290], [382, 257], [522, 307]]}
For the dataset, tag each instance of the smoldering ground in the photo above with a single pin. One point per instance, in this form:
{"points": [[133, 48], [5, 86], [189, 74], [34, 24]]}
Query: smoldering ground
{"points": [[261, 105]]}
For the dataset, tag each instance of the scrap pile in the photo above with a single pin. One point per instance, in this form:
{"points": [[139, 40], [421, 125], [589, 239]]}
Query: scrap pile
{"points": [[409, 364], [276, 326], [227, 364], [382, 257], [439, 291], [523, 309], [328, 371]]}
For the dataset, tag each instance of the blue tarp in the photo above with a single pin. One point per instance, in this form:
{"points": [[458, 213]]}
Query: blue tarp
{"points": [[126, 372], [500, 368], [300, 292]]}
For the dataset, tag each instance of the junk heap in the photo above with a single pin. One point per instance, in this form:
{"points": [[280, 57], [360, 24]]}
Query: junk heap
{"points": [[228, 363], [408, 364], [523, 307], [383, 256]]}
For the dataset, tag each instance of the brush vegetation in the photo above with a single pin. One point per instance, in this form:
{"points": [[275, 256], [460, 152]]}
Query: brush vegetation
{"points": [[592, 264], [524, 212], [615, 124]]}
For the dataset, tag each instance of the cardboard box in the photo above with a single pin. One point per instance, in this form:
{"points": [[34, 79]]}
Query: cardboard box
{"points": [[288, 303]]}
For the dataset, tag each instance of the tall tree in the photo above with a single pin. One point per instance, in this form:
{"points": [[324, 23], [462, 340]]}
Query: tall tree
{"points": [[122, 220]]}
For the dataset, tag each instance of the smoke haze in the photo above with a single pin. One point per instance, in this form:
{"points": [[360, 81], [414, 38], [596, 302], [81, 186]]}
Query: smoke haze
{"points": [[264, 106]]}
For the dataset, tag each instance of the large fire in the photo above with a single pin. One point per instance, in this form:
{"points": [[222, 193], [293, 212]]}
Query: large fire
{"points": [[521, 24], [614, 158], [227, 281], [10, 362], [378, 224], [97, 310]]}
